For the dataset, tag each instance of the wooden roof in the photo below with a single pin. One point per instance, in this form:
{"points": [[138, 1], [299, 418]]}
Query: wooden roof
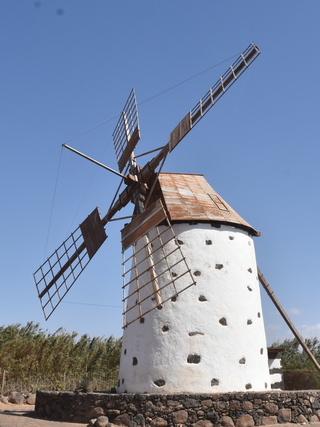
{"points": [[189, 197]]}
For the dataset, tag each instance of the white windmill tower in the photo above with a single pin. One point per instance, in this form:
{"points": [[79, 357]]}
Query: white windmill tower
{"points": [[211, 337], [192, 311]]}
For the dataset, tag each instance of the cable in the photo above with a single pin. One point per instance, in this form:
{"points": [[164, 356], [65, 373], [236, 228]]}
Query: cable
{"points": [[93, 128], [52, 205], [114, 117], [95, 305], [187, 80], [153, 97]]}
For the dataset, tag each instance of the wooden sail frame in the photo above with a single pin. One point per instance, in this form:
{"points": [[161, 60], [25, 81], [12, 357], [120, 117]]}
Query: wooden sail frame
{"points": [[155, 269]]}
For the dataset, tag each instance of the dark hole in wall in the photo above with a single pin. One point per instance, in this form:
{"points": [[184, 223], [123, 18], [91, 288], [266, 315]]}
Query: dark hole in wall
{"points": [[194, 358], [223, 321], [159, 383]]}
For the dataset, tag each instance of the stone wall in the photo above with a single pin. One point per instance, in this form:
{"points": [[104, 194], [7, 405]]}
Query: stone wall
{"points": [[199, 410]]}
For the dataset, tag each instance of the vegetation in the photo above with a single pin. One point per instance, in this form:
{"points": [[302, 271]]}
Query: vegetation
{"points": [[293, 358], [31, 358], [299, 373]]}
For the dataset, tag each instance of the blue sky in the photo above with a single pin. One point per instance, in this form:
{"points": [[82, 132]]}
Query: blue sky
{"points": [[68, 66]]}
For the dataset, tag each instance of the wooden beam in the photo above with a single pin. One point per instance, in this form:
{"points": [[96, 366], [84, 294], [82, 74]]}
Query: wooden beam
{"points": [[274, 299]]}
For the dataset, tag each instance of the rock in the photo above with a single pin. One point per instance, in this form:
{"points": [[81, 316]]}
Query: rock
{"points": [[234, 405], [227, 421], [269, 420], [102, 421], [245, 421], [113, 412], [159, 422], [171, 403], [97, 412], [47, 409], [284, 415], [213, 416], [203, 423], [150, 406], [16, 397], [4, 400], [31, 400], [247, 406], [271, 408], [180, 417], [122, 420], [139, 420], [220, 406], [208, 403], [302, 419], [314, 419], [92, 422], [191, 403]]}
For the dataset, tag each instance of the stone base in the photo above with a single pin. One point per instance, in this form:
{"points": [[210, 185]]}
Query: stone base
{"points": [[202, 410]]}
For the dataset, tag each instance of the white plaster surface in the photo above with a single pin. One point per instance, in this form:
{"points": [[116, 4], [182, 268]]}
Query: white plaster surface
{"points": [[228, 280], [276, 377]]}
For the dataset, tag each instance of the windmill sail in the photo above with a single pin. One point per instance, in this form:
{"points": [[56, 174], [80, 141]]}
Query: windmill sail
{"points": [[193, 117], [213, 95], [127, 131], [55, 277], [156, 270], [58, 273]]}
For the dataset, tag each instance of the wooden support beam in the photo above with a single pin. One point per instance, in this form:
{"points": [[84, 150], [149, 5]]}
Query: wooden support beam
{"points": [[274, 299]]}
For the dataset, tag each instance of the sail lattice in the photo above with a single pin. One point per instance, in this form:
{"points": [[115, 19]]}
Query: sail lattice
{"points": [[154, 272]]}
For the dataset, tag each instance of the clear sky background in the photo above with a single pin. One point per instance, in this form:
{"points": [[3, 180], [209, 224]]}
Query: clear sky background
{"points": [[68, 66]]}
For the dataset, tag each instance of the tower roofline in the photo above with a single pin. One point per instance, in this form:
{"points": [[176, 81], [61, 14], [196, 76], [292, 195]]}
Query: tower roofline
{"points": [[189, 198]]}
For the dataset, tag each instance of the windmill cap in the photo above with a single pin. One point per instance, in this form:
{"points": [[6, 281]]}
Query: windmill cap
{"points": [[189, 197]]}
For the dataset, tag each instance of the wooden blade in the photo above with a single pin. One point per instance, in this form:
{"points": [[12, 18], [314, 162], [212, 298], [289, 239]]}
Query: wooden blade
{"points": [[59, 272], [142, 224], [203, 106], [213, 95], [127, 131]]}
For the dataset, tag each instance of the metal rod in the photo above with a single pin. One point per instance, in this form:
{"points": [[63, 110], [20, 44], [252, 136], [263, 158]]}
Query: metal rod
{"points": [[148, 152], [94, 161], [123, 217], [271, 294]]}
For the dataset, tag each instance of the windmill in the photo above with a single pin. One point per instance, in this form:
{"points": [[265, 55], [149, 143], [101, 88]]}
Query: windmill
{"points": [[192, 310]]}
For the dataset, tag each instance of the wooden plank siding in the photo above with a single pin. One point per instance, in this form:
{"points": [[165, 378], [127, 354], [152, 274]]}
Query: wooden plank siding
{"points": [[142, 223]]}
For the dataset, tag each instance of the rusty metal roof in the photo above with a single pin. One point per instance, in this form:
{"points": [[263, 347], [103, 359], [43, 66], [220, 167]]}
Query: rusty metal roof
{"points": [[189, 197]]}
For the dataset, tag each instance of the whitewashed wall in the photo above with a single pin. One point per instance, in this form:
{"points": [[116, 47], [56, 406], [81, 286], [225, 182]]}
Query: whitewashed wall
{"points": [[211, 338]]}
